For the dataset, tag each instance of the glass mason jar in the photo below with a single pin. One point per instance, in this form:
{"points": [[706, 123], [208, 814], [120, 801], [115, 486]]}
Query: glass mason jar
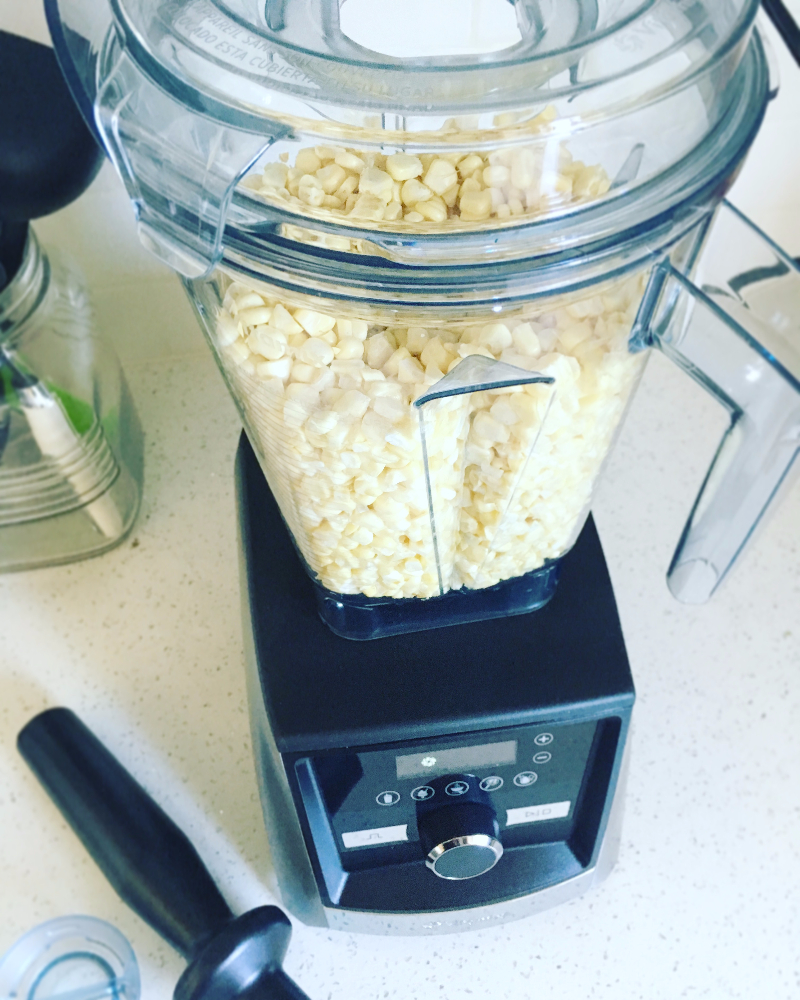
{"points": [[431, 281], [70, 441]]}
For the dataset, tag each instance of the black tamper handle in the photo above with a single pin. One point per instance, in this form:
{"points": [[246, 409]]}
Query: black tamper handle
{"points": [[155, 869], [785, 24], [142, 853]]}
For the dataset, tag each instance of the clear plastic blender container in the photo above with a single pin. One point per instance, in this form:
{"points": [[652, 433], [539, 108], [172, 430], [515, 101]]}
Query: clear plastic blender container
{"points": [[430, 273]]}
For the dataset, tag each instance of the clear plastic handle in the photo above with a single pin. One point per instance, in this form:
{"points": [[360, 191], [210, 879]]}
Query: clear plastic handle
{"points": [[736, 331]]}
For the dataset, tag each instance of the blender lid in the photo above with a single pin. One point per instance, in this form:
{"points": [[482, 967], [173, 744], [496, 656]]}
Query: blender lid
{"points": [[75, 957], [348, 59], [193, 100]]}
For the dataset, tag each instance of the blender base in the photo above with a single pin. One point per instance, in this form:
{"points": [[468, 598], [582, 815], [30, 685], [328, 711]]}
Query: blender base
{"points": [[536, 708]]}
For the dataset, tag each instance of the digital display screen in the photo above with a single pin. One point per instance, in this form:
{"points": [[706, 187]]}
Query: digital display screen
{"points": [[431, 763]]}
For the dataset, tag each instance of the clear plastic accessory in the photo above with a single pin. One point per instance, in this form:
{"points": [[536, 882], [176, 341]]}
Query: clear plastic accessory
{"points": [[70, 958], [736, 331], [204, 105], [70, 440], [418, 451]]}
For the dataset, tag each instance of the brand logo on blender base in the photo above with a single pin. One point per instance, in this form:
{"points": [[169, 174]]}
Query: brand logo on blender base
{"points": [[433, 925]]}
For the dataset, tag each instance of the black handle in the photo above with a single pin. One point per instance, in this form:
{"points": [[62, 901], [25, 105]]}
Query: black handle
{"points": [[243, 961], [48, 157], [142, 853], [786, 25]]}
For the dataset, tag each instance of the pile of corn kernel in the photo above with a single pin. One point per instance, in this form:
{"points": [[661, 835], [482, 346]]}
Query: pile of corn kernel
{"points": [[328, 399], [431, 189]]}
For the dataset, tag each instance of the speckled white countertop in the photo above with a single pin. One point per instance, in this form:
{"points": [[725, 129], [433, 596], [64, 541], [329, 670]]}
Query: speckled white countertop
{"points": [[145, 644]]}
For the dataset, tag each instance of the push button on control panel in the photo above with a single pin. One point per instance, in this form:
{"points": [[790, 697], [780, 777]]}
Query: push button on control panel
{"points": [[543, 739], [457, 788], [537, 814], [370, 838], [388, 798], [422, 793], [492, 784], [525, 778], [542, 757]]}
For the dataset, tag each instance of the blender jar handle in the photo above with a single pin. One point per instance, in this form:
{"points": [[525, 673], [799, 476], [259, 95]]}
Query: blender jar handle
{"points": [[736, 331]]}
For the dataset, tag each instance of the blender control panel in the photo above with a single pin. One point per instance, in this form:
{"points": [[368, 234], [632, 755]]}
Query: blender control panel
{"points": [[495, 814], [532, 775]]}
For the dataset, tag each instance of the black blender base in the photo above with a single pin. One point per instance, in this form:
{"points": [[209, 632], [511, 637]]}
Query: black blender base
{"points": [[324, 691]]}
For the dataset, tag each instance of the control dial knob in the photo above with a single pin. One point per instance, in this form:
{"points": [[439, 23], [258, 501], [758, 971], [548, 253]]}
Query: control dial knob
{"points": [[458, 828]]}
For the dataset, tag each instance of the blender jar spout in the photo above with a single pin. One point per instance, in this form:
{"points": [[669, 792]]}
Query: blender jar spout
{"points": [[735, 330]]}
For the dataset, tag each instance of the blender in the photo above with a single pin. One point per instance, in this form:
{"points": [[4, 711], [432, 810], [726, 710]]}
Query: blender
{"points": [[431, 250]]}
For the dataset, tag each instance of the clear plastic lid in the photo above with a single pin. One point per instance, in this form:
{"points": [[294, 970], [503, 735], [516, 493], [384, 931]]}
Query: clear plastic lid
{"points": [[70, 958], [370, 126], [412, 63]]}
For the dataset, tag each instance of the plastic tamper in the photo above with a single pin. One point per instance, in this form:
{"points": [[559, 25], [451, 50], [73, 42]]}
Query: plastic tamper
{"points": [[155, 869]]}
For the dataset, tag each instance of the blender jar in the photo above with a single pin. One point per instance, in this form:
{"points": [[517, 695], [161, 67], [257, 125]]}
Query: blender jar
{"points": [[424, 451], [430, 251]]}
